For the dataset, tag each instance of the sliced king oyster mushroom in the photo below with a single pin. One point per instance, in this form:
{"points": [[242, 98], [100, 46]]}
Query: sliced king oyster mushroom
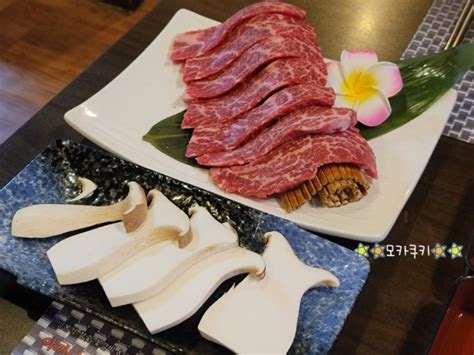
{"points": [[87, 189], [153, 269], [186, 294], [46, 220], [260, 316], [89, 255]]}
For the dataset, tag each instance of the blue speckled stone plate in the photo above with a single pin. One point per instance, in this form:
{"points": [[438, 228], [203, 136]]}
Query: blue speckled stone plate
{"points": [[52, 178]]}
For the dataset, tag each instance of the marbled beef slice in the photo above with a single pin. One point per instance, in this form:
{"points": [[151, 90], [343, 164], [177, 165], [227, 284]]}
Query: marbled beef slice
{"points": [[295, 162], [194, 43], [308, 120], [279, 74], [250, 61], [218, 138], [255, 30]]}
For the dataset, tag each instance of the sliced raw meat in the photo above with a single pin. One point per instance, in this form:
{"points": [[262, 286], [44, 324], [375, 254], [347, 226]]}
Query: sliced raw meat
{"points": [[295, 162], [218, 138], [205, 140], [191, 44], [277, 105], [251, 32], [308, 120], [279, 74], [255, 57]]}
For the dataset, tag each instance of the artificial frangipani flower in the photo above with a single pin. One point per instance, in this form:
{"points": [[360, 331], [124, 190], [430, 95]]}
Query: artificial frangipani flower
{"points": [[364, 84]]}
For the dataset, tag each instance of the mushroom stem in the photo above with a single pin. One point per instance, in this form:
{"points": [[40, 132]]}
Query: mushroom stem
{"points": [[87, 188], [92, 254], [260, 316], [167, 261], [46, 220], [188, 292]]}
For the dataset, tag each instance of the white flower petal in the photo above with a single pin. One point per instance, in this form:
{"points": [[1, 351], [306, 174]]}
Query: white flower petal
{"points": [[345, 101], [327, 60], [388, 78], [357, 60], [335, 79], [373, 110]]}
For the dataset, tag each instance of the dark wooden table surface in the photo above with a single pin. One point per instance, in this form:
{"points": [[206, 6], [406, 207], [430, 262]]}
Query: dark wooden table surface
{"points": [[400, 305]]}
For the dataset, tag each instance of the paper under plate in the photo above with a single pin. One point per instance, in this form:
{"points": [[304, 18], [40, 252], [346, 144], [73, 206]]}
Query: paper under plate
{"points": [[149, 90]]}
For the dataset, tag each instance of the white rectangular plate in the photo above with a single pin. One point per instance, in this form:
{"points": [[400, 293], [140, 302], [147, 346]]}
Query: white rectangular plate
{"points": [[117, 117]]}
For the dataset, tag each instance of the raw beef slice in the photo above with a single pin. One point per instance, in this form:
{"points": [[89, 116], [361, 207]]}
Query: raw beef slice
{"points": [[194, 43], [253, 31], [218, 138], [308, 120], [277, 75], [251, 60], [295, 162]]}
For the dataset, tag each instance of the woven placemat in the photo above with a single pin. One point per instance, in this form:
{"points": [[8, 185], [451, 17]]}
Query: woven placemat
{"points": [[64, 330], [432, 36]]}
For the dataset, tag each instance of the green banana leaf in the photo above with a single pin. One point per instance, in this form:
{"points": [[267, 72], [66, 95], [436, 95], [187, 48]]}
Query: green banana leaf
{"points": [[168, 137], [425, 80]]}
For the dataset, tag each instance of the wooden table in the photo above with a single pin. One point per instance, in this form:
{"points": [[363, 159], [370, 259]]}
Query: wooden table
{"points": [[398, 309]]}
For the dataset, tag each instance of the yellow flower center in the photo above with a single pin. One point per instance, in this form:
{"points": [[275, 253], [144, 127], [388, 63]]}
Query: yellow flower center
{"points": [[359, 86], [439, 251]]}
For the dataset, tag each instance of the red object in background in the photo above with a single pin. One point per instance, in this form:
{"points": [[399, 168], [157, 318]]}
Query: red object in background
{"points": [[456, 333]]}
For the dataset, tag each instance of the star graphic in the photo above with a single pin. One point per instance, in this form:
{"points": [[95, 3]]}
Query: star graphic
{"points": [[362, 250], [439, 251], [455, 250], [378, 251]]}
